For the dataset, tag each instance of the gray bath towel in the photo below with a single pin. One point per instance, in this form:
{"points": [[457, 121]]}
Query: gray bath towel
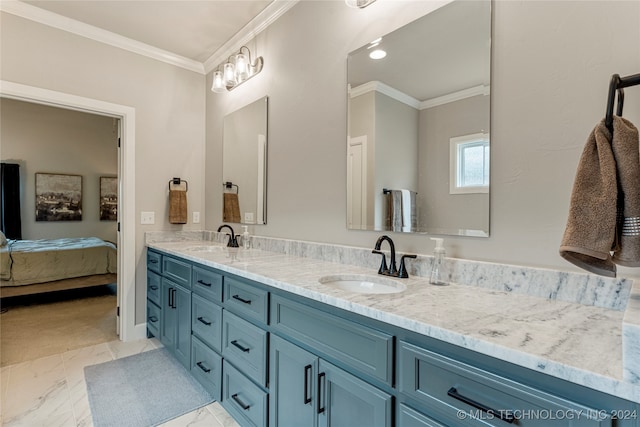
{"points": [[606, 187]]}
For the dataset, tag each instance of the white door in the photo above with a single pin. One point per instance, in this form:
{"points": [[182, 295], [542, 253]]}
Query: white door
{"points": [[357, 182]]}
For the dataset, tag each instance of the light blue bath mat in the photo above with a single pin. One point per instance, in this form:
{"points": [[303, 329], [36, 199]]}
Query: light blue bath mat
{"points": [[144, 390]]}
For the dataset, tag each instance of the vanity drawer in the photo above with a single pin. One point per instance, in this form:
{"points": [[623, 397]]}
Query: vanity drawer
{"points": [[177, 270], [207, 283], [206, 321], [154, 261], [364, 349], [206, 367], [451, 391], [242, 398], [245, 345], [410, 418], [153, 319], [153, 287], [246, 299]]}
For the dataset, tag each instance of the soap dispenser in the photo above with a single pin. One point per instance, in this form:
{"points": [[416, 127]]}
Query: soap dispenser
{"points": [[438, 271], [246, 243]]}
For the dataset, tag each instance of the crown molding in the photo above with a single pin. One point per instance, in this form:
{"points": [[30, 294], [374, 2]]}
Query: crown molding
{"points": [[386, 90], [456, 96], [270, 14]]}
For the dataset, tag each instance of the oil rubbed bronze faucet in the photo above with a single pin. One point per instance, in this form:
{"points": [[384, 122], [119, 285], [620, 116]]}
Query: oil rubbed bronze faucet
{"points": [[391, 270], [233, 241]]}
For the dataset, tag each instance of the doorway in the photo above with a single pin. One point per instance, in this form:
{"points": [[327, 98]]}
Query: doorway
{"points": [[126, 326]]}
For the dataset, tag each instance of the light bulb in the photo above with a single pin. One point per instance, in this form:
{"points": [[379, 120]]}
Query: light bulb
{"points": [[242, 66], [218, 85], [229, 74]]}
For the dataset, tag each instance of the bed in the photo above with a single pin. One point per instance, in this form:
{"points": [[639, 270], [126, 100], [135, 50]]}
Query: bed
{"points": [[45, 265]]}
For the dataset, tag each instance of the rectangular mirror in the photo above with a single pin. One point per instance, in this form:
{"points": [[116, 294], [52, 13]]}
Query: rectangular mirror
{"points": [[244, 164], [418, 137]]}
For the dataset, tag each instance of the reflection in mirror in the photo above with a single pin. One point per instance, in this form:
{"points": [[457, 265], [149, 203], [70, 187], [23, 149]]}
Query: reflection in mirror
{"points": [[418, 125], [244, 164]]}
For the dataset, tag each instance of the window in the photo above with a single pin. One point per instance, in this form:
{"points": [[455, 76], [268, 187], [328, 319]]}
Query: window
{"points": [[469, 164]]}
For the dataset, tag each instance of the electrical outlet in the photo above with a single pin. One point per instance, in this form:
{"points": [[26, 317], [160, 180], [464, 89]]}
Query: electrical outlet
{"points": [[147, 217], [196, 217], [248, 217]]}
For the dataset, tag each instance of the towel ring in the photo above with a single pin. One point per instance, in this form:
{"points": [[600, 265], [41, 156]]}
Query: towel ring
{"points": [[178, 181], [228, 185]]}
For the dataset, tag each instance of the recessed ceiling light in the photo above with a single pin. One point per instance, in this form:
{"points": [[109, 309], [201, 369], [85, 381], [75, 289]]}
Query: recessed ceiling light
{"points": [[377, 54]]}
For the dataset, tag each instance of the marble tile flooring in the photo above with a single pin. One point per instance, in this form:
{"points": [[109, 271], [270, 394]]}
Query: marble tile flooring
{"points": [[51, 391]]}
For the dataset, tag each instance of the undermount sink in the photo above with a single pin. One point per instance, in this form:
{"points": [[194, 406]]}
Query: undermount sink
{"points": [[364, 284]]}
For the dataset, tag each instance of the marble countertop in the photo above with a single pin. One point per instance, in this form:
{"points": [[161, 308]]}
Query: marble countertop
{"points": [[578, 343]]}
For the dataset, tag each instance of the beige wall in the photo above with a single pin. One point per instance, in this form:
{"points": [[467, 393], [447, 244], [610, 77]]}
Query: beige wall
{"points": [[54, 140], [168, 102], [552, 63], [551, 68]]}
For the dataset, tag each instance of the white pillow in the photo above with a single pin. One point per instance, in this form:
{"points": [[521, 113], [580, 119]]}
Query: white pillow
{"points": [[3, 239]]}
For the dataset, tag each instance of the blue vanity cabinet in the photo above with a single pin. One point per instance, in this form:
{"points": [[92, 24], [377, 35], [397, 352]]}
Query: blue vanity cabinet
{"points": [[455, 393], [175, 330], [154, 302], [306, 390], [206, 328]]}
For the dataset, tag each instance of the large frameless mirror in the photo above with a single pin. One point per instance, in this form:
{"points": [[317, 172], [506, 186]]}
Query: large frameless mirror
{"points": [[244, 164], [418, 139]]}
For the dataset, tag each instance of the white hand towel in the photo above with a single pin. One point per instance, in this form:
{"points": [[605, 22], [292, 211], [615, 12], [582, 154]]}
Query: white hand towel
{"points": [[406, 210]]}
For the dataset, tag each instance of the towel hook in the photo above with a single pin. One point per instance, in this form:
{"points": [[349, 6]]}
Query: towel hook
{"points": [[616, 85]]}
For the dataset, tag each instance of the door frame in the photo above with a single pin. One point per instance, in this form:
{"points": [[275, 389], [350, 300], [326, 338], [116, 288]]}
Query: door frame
{"points": [[126, 185]]}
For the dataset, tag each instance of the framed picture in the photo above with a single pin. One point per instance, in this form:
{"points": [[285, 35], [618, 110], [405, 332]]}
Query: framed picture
{"points": [[58, 197], [108, 198]]}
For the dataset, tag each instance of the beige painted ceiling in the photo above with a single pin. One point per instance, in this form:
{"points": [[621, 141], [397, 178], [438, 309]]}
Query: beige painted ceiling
{"points": [[191, 29]]}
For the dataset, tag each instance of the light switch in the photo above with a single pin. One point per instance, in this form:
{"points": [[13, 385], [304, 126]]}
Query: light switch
{"points": [[147, 217], [248, 217], [196, 217]]}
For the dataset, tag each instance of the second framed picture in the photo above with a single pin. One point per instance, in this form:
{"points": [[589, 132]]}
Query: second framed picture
{"points": [[108, 198]]}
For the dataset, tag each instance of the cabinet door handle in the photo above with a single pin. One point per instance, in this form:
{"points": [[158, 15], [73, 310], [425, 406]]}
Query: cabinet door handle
{"points": [[246, 301], [204, 283], [204, 368], [241, 347], [173, 298], [153, 319], [307, 374], [500, 414], [240, 402], [201, 320], [321, 378], [169, 296]]}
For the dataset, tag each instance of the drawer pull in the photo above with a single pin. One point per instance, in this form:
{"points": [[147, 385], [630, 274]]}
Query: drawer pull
{"points": [[500, 414], [240, 402], [153, 287], [244, 349], [153, 261], [204, 368], [201, 320], [307, 373], [246, 301], [153, 319], [204, 283], [321, 378]]}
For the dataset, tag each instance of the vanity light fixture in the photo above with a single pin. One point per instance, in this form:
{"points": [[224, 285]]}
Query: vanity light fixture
{"points": [[238, 69], [360, 4]]}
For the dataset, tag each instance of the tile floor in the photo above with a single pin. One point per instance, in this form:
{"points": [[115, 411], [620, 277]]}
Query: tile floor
{"points": [[51, 391]]}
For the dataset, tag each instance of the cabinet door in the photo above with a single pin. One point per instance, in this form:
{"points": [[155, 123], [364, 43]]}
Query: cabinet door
{"points": [[182, 305], [293, 394], [347, 401], [169, 318]]}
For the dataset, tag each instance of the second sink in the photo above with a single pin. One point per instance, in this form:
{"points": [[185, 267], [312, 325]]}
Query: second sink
{"points": [[363, 284]]}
